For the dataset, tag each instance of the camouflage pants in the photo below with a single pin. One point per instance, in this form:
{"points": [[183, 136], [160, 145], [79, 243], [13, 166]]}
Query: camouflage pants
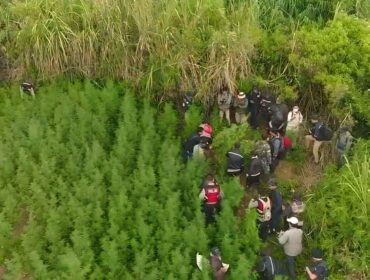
{"points": [[265, 166]]}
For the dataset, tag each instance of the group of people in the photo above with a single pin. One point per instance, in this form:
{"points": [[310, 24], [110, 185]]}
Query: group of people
{"points": [[280, 130]]}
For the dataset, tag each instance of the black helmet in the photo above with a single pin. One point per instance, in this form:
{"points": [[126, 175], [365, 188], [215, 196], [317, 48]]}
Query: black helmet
{"points": [[215, 251], [316, 253]]}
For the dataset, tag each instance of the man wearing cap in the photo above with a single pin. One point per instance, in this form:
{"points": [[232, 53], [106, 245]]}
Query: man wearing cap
{"points": [[224, 100], [292, 243], [235, 161], [319, 270], [241, 105], [277, 206], [219, 269]]}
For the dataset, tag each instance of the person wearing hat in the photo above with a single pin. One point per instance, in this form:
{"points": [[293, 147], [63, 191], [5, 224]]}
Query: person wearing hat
{"points": [[224, 100], [241, 105], [219, 269], [295, 119], [292, 244], [343, 144], [318, 134], [319, 269], [27, 88], [277, 206]]}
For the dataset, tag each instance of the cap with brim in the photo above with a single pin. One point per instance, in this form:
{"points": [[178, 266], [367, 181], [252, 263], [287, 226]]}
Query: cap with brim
{"points": [[292, 220], [241, 95]]}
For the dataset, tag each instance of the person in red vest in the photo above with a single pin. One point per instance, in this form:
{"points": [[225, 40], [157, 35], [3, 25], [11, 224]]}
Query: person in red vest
{"points": [[211, 195], [263, 207]]}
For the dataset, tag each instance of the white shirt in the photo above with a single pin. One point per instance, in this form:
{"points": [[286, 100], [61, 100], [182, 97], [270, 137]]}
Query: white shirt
{"points": [[294, 120]]}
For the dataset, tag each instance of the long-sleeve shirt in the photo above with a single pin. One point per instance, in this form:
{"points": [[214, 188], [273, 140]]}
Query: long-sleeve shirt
{"points": [[292, 241], [224, 100], [255, 167], [241, 105], [294, 120]]}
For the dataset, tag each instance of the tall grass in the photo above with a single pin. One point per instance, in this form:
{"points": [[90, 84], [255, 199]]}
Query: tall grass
{"points": [[154, 43]]}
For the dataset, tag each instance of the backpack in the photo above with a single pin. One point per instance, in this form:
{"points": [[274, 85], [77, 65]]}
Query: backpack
{"points": [[323, 133], [264, 209]]}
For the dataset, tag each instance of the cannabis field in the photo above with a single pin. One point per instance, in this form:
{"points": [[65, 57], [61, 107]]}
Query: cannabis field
{"points": [[92, 182], [93, 187]]}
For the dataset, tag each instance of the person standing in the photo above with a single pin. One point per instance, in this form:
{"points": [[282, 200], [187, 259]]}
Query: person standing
{"points": [[235, 161], [254, 100], [211, 197], [263, 151], [254, 171], [295, 119], [292, 244], [319, 269], [277, 206], [343, 144], [295, 209], [263, 207], [277, 148], [241, 105], [224, 100], [319, 133]]}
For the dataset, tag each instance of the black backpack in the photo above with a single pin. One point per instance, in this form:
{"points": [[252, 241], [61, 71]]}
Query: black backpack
{"points": [[322, 132]]}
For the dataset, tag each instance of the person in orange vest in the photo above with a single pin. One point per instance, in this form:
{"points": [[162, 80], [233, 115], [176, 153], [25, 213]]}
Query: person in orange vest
{"points": [[263, 207], [211, 196]]}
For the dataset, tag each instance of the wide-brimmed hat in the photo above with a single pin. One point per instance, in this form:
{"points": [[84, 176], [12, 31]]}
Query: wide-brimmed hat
{"points": [[293, 220], [241, 95]]}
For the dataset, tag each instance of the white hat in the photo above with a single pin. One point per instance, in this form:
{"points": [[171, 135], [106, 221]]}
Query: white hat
{"points": [[292, 220], [241, 95]]}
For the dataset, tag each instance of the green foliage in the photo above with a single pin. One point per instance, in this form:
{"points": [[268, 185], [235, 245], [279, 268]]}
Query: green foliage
{"points": [[97, 190], [338, 216]]}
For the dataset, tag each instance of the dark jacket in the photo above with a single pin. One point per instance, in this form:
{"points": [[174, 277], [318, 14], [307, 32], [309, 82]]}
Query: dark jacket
{"points": [[320, 269], [191, 142], [254, 99], [270, 267], [255, 167], [319, 130], [216, 265], [235, 160], [277, 203], [278, 116]]}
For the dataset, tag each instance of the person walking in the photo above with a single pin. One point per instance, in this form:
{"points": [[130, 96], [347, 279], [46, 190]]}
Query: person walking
{"points": [[211, 196], [235, 161], [263, 207], [224, 101], [254, 171], [241, 105], [292, 244], [319, 133], [319, 269], [277, 206]]}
